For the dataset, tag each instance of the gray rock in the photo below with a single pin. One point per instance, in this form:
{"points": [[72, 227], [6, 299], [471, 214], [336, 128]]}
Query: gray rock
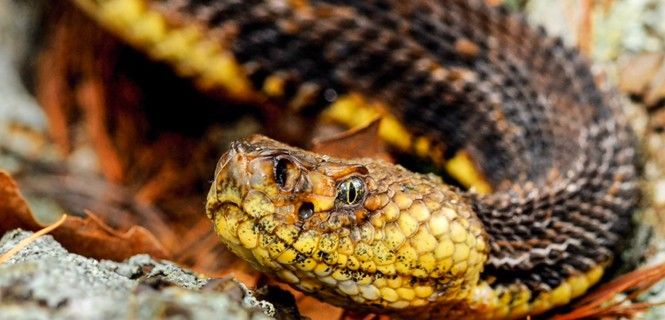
{"points": [[44, 281]]}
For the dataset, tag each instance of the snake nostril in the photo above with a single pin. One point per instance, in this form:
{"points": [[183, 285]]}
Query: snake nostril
{"points": [[306, 210]]}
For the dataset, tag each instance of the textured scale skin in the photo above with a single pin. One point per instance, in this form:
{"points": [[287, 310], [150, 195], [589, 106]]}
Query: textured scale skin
{"points": [[549, 139]]}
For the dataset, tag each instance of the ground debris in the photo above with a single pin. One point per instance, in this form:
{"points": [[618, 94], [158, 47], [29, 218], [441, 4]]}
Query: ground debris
{"points": [[89, 236], [44, 281], [135, 158]]}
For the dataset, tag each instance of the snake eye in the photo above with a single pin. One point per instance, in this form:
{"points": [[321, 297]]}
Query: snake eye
{"points": [[351, 191]]}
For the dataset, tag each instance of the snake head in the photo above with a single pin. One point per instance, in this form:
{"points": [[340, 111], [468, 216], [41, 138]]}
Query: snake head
{"points": [[270, 179], [346, 230]]}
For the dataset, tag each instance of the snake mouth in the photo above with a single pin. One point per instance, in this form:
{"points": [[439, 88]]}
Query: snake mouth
{"points": [[339, 284], [223, 191], [256, 237], [330, 250], [231, 181], [257, 241]]}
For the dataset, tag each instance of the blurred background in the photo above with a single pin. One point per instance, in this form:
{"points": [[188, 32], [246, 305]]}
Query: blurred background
{"points": [[90, 126]]}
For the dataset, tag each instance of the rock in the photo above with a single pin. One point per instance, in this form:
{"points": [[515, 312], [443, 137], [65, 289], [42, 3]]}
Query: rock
{"points": [[44, 281]]}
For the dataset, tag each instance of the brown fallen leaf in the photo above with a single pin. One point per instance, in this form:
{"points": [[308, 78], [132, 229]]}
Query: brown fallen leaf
{"points": [[350, 315], [88, 236], [585, 27], [14, 210], [601, 303], [362, 142], [311, 307], [635, 71], [656, 91], [494, 2], [643, 75]]}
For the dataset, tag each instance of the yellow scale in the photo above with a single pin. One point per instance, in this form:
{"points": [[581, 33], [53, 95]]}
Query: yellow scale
{"points": [[212, 66], [207, 61]]}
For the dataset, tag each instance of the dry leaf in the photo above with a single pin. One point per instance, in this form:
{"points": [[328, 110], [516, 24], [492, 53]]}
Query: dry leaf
{"points": [[363, 142], [602, 303], [643, 75], [13, 208], [311, 307], [88, 236]]}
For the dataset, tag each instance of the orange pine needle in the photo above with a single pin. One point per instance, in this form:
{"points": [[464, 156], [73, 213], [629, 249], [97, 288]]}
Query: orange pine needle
{"points": [[27, 241], [636, 282]]}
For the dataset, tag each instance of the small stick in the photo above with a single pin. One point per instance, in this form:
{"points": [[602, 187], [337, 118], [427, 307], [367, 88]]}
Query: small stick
{"points": [[27, 241]]}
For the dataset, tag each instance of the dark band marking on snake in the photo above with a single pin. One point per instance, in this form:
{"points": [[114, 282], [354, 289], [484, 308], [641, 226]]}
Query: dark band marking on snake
{"points": [[364, 234]]}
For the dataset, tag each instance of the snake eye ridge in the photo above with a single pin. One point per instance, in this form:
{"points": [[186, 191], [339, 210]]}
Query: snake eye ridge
{"points": [[281, 172], [351, 191]]}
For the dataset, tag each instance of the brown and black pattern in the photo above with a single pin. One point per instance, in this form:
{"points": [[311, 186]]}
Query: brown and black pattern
{"points": [[551, 142], [525, 106]]}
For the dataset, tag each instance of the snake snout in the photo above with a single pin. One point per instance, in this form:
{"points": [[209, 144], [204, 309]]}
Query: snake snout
{"points": [[227, 165], [230, 180], [222, 164]]}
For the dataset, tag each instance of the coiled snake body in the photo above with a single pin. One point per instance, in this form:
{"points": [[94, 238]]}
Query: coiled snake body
{"points": [[373, 236]]}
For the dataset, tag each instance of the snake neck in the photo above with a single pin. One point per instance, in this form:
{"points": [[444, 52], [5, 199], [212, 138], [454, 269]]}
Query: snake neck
{"points": [[527, 109]]}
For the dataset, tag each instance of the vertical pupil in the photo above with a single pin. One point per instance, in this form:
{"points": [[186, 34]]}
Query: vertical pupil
{"points": [[351, 194], [351, 191]]}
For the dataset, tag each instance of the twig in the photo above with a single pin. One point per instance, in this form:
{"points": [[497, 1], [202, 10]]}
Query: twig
{"points": [[27, 241]]}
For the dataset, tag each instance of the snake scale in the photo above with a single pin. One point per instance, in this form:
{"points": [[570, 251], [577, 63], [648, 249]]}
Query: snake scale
{"points": [[372, 236]]}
